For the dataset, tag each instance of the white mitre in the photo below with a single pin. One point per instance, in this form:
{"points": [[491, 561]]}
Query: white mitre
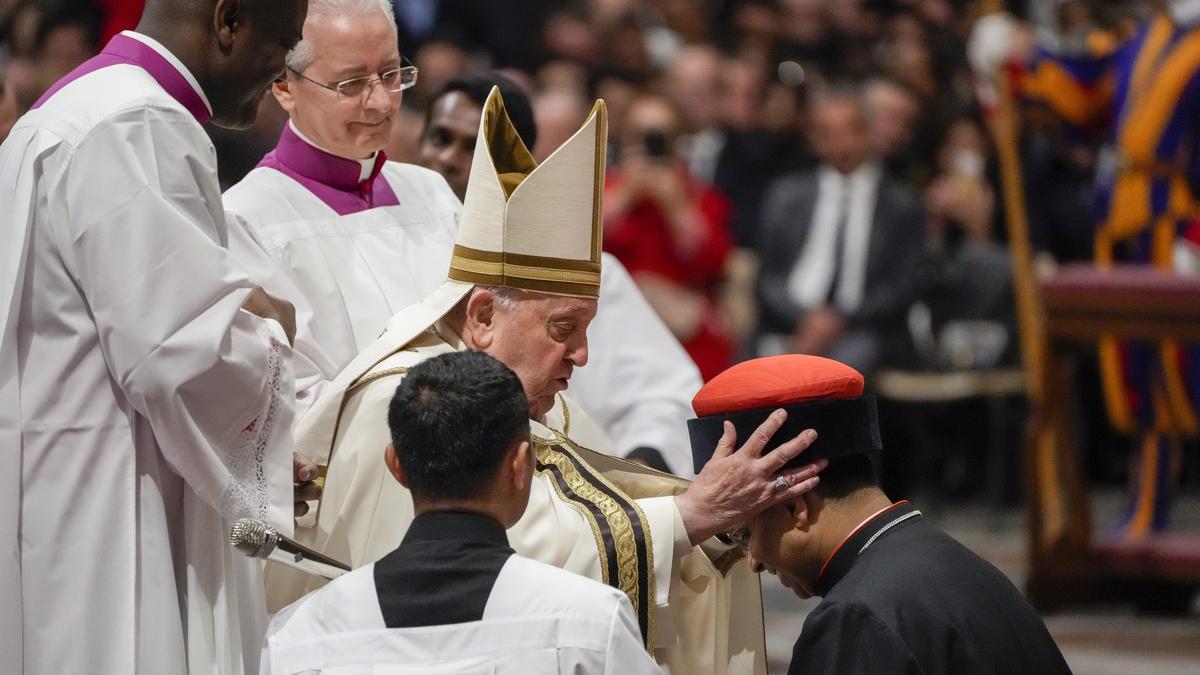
{"points": [[536, 228], [525, 226]]}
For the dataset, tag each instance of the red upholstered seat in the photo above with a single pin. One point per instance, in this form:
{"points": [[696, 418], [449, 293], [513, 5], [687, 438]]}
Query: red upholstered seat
{"points": [[1169, 556]]}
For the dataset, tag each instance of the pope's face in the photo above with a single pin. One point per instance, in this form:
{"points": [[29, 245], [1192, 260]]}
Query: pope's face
{"points": [[345, 47], [542, 338], [776, 547]]}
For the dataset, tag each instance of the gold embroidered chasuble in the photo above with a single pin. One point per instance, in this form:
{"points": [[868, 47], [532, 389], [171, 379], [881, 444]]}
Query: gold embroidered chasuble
{"points": [[600, 516]]}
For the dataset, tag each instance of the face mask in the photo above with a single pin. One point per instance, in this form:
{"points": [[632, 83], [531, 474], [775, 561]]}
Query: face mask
{"points": [[967, 164], [1184, 12]]}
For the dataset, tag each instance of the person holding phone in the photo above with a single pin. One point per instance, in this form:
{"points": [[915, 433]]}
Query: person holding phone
{"points": [[670, 230]]}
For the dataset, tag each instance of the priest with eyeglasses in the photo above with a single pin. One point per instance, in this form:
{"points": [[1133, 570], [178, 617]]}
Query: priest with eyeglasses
{"points": [[328, 221]]}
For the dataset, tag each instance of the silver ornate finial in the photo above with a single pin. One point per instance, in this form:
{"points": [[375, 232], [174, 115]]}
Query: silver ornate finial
{"points": [[253, 537]]}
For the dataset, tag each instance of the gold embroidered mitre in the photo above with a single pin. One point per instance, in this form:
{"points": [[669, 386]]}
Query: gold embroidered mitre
{"points": [[529, 226]]}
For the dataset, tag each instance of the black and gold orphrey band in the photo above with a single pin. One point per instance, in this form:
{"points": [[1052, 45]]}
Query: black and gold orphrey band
{"points": [[619, 525]]}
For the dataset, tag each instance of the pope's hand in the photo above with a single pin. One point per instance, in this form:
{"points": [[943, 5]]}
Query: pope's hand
{"points": [[304, 489], [735, 485]]}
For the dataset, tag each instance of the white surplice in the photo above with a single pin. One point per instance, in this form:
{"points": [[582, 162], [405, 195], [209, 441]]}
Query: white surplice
{"points": [[358, 263], [141, 409], [539, 620]]}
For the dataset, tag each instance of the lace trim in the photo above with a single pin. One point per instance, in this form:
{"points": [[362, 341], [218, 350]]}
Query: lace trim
{"points": [[247, 493]]}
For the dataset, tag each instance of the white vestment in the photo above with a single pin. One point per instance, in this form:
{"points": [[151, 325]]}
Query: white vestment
{"points": [[588, 513], [141, 409], [356, 268], [530, 619]]}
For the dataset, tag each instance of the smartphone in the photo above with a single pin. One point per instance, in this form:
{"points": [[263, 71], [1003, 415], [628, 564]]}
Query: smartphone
{"points": [[656, 145]]}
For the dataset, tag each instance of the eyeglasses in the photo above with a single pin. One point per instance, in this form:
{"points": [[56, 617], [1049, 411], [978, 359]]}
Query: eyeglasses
{"points": [[393, 81], [739, 536]]}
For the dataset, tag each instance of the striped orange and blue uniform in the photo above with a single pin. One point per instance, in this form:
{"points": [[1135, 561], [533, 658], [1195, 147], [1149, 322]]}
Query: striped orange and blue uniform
{"points": [[1145, 96]]}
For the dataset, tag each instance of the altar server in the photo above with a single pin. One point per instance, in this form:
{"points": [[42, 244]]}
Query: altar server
{"points": [[144, 401], [453, 597]]}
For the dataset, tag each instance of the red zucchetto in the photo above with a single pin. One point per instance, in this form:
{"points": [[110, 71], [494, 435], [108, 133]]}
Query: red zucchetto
{"points": [[816, 392], [776, 381]]}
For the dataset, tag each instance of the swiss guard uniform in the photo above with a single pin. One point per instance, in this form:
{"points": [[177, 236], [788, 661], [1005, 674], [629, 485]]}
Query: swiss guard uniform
{"points": [[898, 594], [1145, 95], [534, 228]]}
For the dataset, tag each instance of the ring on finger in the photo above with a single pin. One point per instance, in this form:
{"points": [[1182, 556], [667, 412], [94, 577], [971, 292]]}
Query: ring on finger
{"points": [[780, 484]]}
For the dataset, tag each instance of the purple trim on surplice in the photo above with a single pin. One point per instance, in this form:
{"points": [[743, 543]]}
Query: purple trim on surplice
{"points": [[334, 180], [122, 49]]}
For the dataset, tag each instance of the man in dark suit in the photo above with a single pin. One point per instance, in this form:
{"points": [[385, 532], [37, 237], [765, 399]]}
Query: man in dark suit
{"points": [[899, 595], [839, 246]]}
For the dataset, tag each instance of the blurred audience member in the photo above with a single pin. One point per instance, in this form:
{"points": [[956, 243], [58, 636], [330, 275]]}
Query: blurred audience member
{"points": [[670, 232], [440, 60], [562, 74], [765, 140], [893, 111], [452, 124], [750, 27], [627, 46], [965, 317], [619, 90], [693, 82], [41, 42], [416, 20], [558, 113], [804, 31], [839, 247], [567, 34], [20, 22], [856, 26], [8, 108], [906, 57]]}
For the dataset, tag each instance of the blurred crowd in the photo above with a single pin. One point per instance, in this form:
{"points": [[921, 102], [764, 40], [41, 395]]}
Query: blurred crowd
{"points": [[784, 175], [721, 113]]}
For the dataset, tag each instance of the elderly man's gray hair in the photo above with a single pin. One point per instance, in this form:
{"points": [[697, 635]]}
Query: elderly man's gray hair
{"points": [[304, 53]]}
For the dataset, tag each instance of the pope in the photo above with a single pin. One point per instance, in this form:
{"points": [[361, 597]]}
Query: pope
{"points": [[522, 286]]}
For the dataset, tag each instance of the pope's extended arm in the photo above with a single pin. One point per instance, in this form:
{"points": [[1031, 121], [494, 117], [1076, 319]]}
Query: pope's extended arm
{"points": [[731, 488], [735, 485]]}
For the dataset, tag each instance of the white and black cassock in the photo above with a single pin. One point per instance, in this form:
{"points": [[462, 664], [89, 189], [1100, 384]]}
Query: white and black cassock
{"points": [[454, 598]]}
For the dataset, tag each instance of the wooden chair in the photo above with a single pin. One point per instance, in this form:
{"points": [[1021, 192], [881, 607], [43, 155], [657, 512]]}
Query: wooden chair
{"points": [[1056, 317], [1080, 302], [995, 386]]}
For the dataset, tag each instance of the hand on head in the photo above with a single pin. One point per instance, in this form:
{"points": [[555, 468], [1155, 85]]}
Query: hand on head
{"points": [[737, 484]]}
